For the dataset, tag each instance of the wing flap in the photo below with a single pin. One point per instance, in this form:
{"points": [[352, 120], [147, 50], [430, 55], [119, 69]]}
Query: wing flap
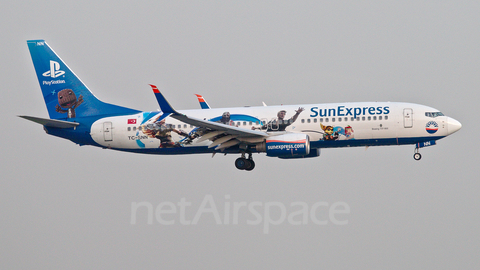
{"points": [[209, 135], [221, 140], [227, 144]]}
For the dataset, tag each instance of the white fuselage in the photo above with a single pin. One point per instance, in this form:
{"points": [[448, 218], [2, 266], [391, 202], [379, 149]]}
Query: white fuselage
{"points": [[334, 125]]}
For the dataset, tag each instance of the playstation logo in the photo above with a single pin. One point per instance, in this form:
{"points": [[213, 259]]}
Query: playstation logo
{"points": [[54, 71]]}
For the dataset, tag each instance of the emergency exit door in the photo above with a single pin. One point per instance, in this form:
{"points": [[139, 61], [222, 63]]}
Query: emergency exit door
{"points": [[408, 118]]}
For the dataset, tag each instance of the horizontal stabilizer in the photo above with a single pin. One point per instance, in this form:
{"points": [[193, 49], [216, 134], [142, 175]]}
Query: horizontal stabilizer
{"points": [[50, 122]]}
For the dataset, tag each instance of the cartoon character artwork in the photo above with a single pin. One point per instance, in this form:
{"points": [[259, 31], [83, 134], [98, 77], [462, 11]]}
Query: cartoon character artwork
{"points": [[279, 123], [226, 119], [68, 102], [337, 133], [349, 133], [329, 134], [162, 131]]}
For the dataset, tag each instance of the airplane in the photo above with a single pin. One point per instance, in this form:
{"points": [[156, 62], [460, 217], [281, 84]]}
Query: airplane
{"points": [[286, 131]]}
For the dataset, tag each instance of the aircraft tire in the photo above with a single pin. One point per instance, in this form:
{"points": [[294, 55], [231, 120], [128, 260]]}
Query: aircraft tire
{"points": [[417, 156], [251, 165], [241, 163]]}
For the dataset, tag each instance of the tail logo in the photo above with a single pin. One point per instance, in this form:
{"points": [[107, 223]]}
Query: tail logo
{"points": [[54, 71]]}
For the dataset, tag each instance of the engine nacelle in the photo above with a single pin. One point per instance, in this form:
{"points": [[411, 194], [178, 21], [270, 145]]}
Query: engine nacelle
{"points": [[314, 152], [287, 145]]}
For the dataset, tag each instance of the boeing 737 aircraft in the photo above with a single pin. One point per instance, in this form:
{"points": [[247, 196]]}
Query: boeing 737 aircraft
{"points": [[287, 132]]}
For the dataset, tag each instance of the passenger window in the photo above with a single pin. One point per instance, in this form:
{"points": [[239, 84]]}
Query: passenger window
{"points": [[374, 118], [380, 117], [339, 119], [352, 118], [386, 117], [303, 121], [314, 120], [363, 118], [333, 119], [369, 118], [326, 120], [308, 120], [134, 128], [321, 120], [129, 128]]}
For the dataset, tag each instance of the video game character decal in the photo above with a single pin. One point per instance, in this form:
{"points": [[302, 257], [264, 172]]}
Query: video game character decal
{"points": [[68, 100], [331, 133], [160, 130]]}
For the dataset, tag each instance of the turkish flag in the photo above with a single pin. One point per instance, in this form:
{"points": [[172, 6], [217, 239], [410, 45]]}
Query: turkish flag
{"points": [[132, 121]]}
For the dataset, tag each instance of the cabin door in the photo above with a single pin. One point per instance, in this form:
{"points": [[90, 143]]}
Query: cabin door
{"points": [[407, 118], [107, 131]]}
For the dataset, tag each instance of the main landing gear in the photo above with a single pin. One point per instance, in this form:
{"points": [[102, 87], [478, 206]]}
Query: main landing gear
{"points": [[243, 163], [417, 155]]}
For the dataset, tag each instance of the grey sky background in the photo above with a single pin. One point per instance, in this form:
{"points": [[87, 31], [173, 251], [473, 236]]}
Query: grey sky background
{"points": [[64, 206]]}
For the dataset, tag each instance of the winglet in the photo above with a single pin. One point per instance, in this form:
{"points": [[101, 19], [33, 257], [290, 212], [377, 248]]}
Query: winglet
{"points": [[164, 105], [203, 102]]}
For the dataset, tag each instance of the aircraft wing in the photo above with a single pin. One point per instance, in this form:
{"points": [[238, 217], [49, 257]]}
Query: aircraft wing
{"points": [[214, 126], [222, 136]]}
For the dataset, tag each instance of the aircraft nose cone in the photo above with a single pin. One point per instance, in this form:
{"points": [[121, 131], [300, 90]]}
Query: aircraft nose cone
{"points": [[453, 125]]}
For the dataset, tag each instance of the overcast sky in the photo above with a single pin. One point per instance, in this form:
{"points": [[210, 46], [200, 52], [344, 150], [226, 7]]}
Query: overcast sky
{"points": [[65, 206]]}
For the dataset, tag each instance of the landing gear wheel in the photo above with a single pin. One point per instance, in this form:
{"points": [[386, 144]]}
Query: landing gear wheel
{"points": [[417, 156], [251, 164], [240, 163], [243, 163]]}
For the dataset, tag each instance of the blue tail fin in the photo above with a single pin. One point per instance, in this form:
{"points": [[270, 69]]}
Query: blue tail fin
{"points": [[65, 94]]}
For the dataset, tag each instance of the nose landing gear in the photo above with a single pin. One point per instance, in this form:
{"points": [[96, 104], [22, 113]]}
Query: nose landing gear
{"points": [[243, 163], [417, 155], [419, 145]]}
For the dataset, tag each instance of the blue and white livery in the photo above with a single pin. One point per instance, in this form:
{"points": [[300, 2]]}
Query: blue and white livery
{"points": [[296, 131]]}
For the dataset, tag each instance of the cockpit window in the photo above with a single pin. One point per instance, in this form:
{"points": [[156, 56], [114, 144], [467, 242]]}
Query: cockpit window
{"points": [[433, 114]]}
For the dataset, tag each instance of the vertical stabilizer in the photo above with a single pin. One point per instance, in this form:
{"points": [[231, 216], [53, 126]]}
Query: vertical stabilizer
{"points": [[65, 94]]}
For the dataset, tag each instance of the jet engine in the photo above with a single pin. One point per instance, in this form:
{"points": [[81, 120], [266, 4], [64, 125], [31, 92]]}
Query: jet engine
{"points": [[288, 145]]}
